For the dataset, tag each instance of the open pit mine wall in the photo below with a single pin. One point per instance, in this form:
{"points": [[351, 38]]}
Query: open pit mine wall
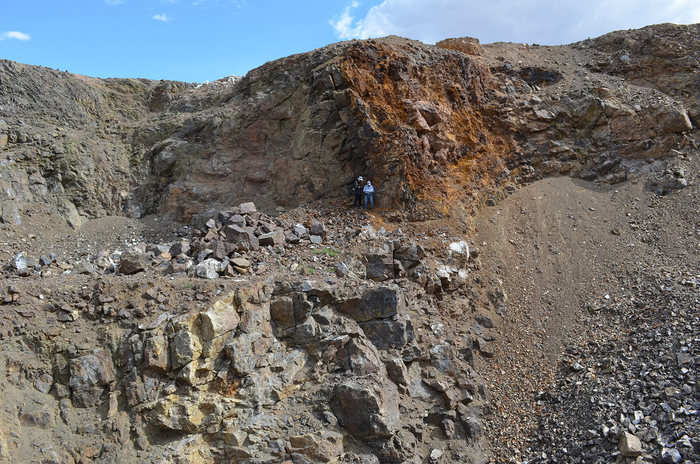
{"points": [[428, 124]]}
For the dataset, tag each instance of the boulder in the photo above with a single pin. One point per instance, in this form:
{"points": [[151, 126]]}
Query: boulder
{"points": [[243, 238], [396, 369], [390, 333], [247, 208], [409, 255], [341, 269], [630, 446], [133, 261], [155, 353], [379, 264], [209, 268], [184, 348], [46, 260], [367, 407], [273, 238], [236, 220], [89, 375], [469, 417], [377, 302], [300, 231], [19, 262], [200, 221], [460, 248], [180, 248], [317, 228]]}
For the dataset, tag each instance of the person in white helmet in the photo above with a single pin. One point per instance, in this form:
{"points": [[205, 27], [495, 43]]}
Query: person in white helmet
{"points": [[357, 190]]}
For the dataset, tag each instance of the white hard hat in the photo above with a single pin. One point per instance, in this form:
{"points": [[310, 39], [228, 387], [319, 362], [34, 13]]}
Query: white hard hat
{"points": [[360, 178]]}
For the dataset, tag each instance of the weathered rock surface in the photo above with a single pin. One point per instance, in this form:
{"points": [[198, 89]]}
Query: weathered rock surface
{"points": [[303, 127]]}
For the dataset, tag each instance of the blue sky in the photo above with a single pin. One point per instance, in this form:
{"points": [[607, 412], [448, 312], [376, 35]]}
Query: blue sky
{"points": [[204, 40]]}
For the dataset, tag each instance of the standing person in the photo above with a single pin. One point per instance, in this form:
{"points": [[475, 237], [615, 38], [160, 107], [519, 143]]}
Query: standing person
{"points": [[357, 190], [369, 195]]}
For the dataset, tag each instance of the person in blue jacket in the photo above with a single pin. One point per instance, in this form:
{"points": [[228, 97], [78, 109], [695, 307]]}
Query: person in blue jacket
{"points": [[369, 195]]}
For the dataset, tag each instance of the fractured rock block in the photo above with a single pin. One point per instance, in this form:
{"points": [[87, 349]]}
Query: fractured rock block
{"points": [[133, 261], [388, 334], [379, 266], [374, 303], [324, 446], [243, 237], [630, 446], [367, 408], [272, 238], [89, 375], [184, 348], [155, 352]]}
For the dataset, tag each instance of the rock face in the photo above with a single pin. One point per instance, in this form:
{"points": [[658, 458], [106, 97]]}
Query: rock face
{"points": [[415, 118]]}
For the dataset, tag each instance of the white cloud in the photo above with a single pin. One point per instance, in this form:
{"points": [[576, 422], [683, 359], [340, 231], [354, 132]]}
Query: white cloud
{"points": [[14, 35], [162, 17], [541, 21], [114, 2]]}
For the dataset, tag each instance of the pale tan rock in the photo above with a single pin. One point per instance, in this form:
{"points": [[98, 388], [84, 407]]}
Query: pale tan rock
{"points": [[630, 446]]}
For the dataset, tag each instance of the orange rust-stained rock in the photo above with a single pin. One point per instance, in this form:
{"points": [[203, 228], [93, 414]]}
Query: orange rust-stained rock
{"points": [[427, 120]]}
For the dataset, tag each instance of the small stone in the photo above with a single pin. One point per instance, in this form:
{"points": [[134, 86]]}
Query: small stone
{"points": [[20, 261], [241, 262], [436, 454], [630, 446], [670, 456], [45, 260], [341, 270], [300, 231], [316, 228], [316, 239], [484, 321], [247, 208], [208, 269], [132, 262]]}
